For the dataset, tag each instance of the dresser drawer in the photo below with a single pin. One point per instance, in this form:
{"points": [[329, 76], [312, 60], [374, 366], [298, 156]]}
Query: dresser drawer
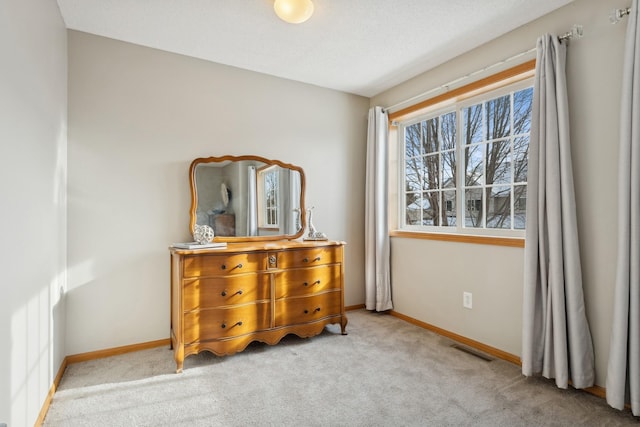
{"points": [[307, 257], [307, 281], [220, 291], [223, 264], [291, 311], [202, 325]]}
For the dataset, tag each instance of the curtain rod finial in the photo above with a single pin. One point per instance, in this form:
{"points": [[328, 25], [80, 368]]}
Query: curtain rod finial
{"points": [[616, 15], [575, 33]]}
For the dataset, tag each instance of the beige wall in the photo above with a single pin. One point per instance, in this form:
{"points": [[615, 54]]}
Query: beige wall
{"points": [[137, 118], [494, 274], [33, 117]]}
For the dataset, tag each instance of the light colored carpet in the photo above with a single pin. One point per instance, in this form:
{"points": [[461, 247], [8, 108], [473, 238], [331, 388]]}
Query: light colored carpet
{"points": [[386, 372]]}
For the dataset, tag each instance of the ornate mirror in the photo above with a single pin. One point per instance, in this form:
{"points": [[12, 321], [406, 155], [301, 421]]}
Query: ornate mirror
{"points": [[245, 198]]}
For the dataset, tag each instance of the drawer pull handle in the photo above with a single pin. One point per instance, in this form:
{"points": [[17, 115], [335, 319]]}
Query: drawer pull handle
{"points": [[315, 259], [316, 310], [224, 266], [224, 293], [239, 323], [317, 282]]}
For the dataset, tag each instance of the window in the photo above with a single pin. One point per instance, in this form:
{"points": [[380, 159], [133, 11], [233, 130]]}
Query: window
{"points": [[430, 161], [268, 196], [465, 166]]}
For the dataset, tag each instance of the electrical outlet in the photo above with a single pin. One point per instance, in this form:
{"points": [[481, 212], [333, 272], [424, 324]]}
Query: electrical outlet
{"points": [[467, 300]]}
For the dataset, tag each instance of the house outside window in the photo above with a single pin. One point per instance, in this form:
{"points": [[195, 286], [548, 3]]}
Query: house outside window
{"points": [[464, 167]]}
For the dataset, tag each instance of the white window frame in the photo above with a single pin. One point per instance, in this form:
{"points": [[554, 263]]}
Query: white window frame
{"points": [[263, 206], [429, 113], [402, 169]]}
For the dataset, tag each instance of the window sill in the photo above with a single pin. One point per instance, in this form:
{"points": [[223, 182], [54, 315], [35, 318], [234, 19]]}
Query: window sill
{"points": [[460, 238]]}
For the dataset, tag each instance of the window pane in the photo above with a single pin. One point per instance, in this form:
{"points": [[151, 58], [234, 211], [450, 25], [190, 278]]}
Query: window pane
{"points": [[472, 124], [473, 160], [448, 159], [519, 206], [432, 172], [473, 207], [498, 117], [430, 135], [412, 209], [448, 131], [268, 197], [522, 101], [430, 208], [449, 218], [412, 140], [499, 207], [498, 163], [521, 158], [412, 174]]}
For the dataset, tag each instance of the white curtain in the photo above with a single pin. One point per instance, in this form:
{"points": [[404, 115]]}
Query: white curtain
{"points": [[623, 374], [293, 225], [376, 236], [252, 201], [556, 341]]}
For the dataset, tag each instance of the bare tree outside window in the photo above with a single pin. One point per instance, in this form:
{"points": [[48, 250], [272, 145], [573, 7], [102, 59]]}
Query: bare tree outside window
{"points": [[430, 172], [493, 148], [496, 140]]}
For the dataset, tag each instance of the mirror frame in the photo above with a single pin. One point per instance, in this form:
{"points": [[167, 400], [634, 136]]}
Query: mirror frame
{"points": [[230, 239]]}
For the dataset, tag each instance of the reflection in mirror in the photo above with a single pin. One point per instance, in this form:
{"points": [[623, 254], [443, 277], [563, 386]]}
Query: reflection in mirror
{"points": [[247, 198]]}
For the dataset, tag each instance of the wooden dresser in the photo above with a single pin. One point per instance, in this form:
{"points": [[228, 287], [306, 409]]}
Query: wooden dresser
{"points": [[223, 299]]}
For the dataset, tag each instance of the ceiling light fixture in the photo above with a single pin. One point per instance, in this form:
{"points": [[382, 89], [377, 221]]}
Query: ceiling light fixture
{"points": [[293, 11]]}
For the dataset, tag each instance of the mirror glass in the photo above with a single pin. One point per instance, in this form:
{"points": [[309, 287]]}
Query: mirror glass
{"points": [[246, 198]]}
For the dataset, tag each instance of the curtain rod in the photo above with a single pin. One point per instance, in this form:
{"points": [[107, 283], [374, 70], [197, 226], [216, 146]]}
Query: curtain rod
{"points": [[616, 15], [575, 32], [447, 85]]}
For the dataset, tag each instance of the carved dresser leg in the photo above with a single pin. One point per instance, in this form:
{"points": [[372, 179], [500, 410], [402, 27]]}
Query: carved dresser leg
{"points": [[179, 356], [343, 324]]}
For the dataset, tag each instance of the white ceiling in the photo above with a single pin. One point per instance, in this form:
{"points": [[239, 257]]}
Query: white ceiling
{"points": [[358, 46]]}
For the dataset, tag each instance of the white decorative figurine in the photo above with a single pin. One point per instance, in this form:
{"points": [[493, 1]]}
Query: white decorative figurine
{"points": [[203, 234], [225, 192], [313, 233], [297, 219]]}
